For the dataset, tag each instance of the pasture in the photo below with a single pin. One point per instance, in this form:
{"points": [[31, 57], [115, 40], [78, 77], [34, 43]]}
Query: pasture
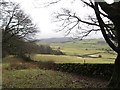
{"points": [[18, 73], [85, 51], [71, 59]]}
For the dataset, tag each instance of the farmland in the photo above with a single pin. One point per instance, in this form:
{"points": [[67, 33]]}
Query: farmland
{"points": [[88, 51], [18, 73]]}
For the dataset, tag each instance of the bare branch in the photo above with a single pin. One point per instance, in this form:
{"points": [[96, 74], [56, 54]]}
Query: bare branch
{"points": [[47, 4], [70, 21], [16, 23]]}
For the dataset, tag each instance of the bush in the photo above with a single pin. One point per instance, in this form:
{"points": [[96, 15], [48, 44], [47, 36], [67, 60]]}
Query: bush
{"points": [[100, 56], [46, 65], [94, 70], [57, 52], [45, 49]]}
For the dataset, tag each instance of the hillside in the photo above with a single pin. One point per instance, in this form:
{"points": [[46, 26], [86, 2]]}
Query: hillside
{"points": [[67, 39], [55, 40]]}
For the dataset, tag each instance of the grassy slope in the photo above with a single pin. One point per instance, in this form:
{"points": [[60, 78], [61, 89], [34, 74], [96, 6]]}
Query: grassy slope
{"points": [[40, 78]]}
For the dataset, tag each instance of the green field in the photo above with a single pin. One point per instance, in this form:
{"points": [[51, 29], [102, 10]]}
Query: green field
{"points": [[80, 52], [71, 59], [18, 73]]}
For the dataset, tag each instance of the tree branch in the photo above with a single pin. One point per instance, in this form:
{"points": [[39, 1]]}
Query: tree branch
{"points": [[101, 23]]}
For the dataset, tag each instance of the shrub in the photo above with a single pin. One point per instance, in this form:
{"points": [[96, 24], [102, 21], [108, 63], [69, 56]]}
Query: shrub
{"points": [[46, 65], [100, 56], [57, 52], [94, 70]]}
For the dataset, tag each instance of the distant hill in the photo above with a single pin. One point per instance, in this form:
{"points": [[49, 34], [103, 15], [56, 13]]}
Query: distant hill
{"points": [[67, 39], [56, 40]]}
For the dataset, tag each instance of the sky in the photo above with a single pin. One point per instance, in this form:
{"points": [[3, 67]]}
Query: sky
{"points": [[42, 16]]}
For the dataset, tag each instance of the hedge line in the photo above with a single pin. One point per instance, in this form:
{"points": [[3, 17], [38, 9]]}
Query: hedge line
{"points": [[95, 70]]}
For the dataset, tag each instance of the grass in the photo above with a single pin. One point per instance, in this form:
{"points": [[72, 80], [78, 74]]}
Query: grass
{"points": [[90, 44], [43, 78], [38, 78], [11, 62], [70, 59], [18, 73], [85, 47]]}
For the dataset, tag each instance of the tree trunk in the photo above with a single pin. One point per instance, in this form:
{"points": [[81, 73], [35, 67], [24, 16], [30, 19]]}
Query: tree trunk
{"points": [[115, 79], [115, 17]]}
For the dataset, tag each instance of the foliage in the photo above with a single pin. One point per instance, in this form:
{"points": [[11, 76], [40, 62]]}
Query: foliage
{"points": [[58, 52], [94, 70], [24, 49], [15, 46], [17, 28], [15, 22], [42, 49]]}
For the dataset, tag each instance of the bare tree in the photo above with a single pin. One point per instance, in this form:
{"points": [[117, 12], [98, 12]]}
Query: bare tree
{"points": [[14, 22], [107, 20], [17, 28]]}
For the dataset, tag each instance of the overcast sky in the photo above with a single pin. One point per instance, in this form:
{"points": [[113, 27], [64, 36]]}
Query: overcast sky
{"points": [[42, 16]]}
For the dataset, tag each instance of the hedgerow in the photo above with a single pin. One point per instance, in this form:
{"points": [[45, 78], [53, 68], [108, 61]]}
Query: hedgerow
{"points": [[94, 70]]}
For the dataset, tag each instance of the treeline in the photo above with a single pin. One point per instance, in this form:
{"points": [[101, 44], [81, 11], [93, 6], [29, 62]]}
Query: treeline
{"points": [[45, 49], [20, 47], [18, 31]]}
